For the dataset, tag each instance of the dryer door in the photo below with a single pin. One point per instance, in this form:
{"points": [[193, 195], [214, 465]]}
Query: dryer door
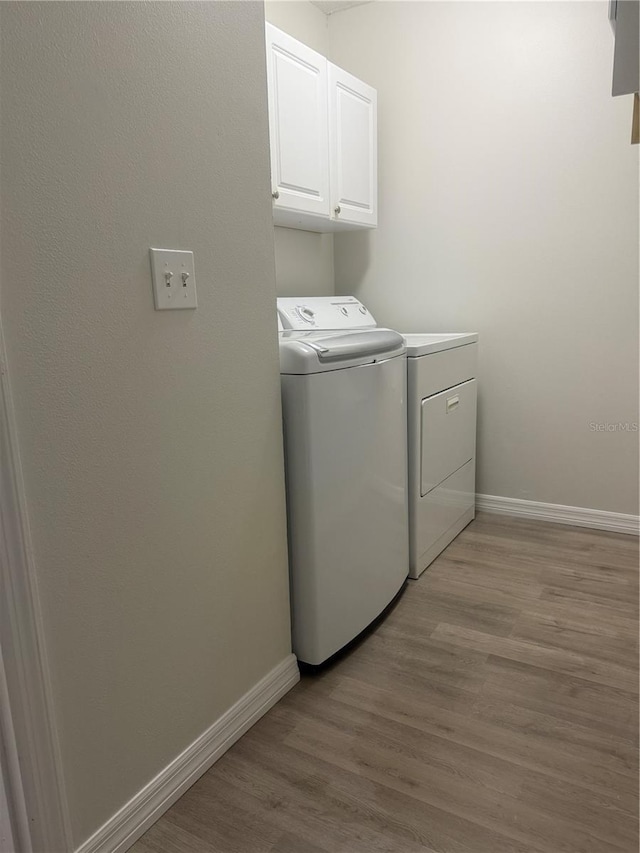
{"points": [[448, 433]]}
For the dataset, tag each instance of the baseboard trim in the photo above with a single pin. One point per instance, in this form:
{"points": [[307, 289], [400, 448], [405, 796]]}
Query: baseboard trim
{"points": [[136, 816], [615, 522]]}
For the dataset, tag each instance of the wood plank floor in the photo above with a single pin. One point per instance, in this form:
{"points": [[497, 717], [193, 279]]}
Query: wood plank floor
{"points": [[493, 711]]}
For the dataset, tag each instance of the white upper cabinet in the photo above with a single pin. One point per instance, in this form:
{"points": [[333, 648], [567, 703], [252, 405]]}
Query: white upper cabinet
{"points": [[353, 148], [298, 117], [322, 132]]}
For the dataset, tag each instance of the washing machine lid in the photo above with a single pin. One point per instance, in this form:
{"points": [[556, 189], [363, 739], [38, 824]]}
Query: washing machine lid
{"points": [[317, 352], [425, 344]]}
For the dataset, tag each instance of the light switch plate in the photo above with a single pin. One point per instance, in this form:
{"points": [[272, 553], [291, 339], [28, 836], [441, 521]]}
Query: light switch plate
{"points": [[174, 279]]}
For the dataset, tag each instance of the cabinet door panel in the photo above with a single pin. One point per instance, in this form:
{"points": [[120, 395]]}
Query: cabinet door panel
{"points": [[353, 147], [298, 115]]}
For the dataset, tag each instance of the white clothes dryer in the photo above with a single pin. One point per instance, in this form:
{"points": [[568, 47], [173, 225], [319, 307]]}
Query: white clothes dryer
{"points": [[442, 394]]}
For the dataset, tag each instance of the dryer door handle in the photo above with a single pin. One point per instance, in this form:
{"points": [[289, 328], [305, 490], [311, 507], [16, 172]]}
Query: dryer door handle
{"points": [[452, 403]]}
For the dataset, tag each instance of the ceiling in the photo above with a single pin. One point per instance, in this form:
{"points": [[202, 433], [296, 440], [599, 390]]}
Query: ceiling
{"points": [[331, 6]]}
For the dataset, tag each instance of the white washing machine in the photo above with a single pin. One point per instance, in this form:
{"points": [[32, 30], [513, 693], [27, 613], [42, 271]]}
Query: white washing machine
{"points": [[345, 430], [442, 393]]}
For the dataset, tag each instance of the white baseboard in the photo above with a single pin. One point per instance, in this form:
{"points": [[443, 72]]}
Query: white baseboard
{"points": [[616, 522], [136, 816]]}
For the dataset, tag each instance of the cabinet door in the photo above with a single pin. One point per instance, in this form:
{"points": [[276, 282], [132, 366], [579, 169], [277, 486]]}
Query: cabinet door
{"points": [[353, 148], [297, 90]]}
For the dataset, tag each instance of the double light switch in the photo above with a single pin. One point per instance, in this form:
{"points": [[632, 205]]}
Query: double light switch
{"points": [[174, 280]]}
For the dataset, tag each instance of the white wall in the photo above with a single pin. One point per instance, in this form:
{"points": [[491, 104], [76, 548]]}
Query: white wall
{"points": [[304, 259], [509, 205], [304, 262], [302, 20], [151, 442]]}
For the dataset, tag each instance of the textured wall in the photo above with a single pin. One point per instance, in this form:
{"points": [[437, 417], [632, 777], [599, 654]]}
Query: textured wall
{"points": [[509, 205], [304, 259], [151, 442]]}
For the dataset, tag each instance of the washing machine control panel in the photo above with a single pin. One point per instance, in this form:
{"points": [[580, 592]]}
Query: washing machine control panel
{"points": [[324, 312], [306, 314]]}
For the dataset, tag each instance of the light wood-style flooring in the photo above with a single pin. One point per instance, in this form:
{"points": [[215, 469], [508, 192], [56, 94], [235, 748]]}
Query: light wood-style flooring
{"points": [[495, 710]]}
